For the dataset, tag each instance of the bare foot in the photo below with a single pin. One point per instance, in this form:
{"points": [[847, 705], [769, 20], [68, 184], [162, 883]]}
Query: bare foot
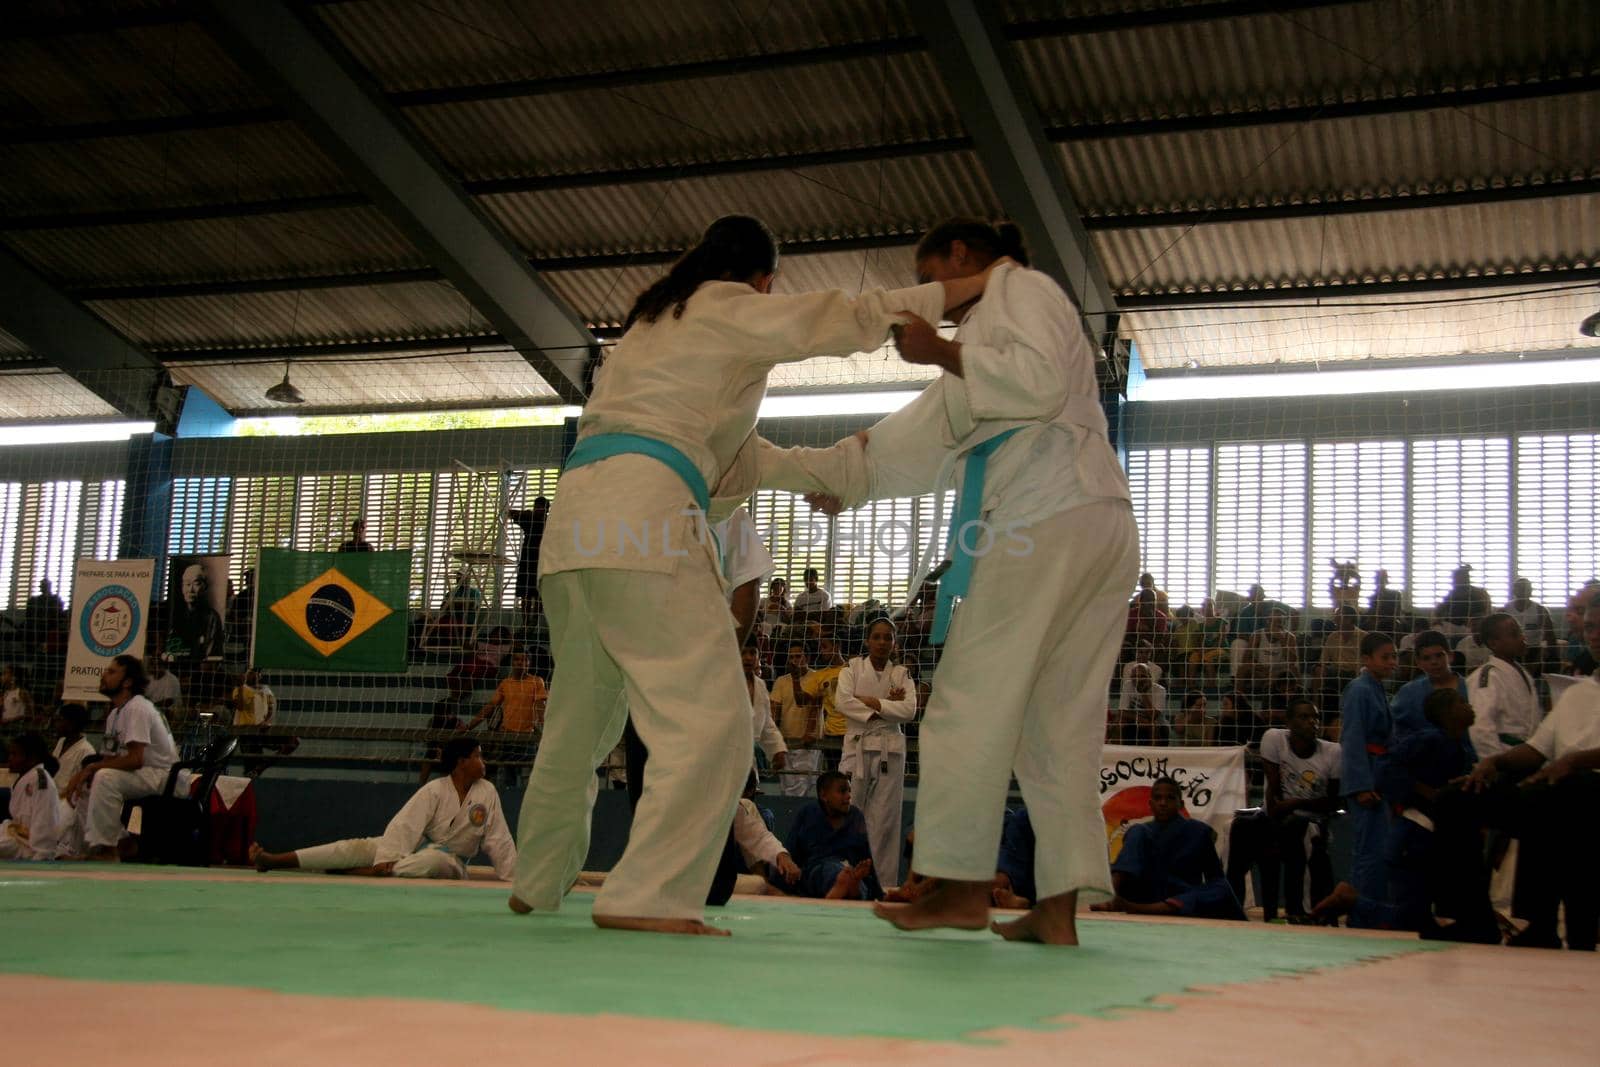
{"points": [[518, 905], [660, 926], [1053, 922], [958, 905], [845, 887], [1341, 900], [1114, 904]]}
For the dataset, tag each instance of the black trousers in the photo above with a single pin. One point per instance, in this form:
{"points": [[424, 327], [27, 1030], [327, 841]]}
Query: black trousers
{"points": [[729, 867], [1279, 846], [1557, 865]]}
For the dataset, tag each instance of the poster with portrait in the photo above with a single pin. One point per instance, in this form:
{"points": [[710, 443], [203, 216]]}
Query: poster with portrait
{"points": [[197, 602], [110, 617]]}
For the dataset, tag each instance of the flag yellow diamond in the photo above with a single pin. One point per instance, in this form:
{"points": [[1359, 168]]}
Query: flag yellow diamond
{"points": [[330, 611]]}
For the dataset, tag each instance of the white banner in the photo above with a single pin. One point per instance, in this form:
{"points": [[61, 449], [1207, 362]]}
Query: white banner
{"points": [[110, 617], [1211, 782]]}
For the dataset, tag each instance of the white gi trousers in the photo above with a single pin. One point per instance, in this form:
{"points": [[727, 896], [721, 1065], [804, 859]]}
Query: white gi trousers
{"points": [[663, 646], [428, 862], [108, 791], [14, 848], [878, 788], [808, 760], [1023, 686]]}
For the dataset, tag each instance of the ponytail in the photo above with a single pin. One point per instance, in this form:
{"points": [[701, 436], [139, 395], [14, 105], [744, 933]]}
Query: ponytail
{"points": [[985, 241], [734, 248]]}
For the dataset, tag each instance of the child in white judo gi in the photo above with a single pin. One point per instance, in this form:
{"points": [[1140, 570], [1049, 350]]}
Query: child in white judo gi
{"points": [[38, 814], [877, 696], [445, 824], [1044, 550], [638, 620]]}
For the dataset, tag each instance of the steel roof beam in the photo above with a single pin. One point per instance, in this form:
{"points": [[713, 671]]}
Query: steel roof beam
{"points": [[292, 53]]}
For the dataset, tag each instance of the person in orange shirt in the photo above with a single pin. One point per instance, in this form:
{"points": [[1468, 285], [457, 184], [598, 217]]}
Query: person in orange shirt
{"points": [[520, 701]]}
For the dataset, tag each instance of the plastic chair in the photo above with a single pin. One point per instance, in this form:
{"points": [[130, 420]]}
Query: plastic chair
{"points": [[176, 829]]}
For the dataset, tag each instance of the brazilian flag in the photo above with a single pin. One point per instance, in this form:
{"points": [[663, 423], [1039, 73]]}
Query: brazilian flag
{"points": [[331, 611]]}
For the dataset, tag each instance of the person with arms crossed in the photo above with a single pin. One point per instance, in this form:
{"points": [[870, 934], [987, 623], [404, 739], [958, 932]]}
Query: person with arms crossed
{"points": [[877, 696]]}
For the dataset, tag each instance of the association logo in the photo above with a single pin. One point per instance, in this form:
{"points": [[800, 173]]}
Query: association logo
{"points": [[110, 620], [477, 815]]}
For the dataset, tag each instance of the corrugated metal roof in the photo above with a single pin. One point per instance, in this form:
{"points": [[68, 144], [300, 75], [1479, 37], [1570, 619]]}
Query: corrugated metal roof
{"points": [[1508, 321], [28, 395], [194, 167], [460, 379], [138, 72], [1388, 155], [10, 346], [430, 310], [1349, 51], [411, 46], [890, 196], [880, 101], [1435, 242], [319, 242]]}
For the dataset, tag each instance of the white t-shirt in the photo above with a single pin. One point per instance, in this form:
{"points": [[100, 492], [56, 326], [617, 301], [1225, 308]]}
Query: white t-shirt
{"points": [[1130, 693], [744, 555], [1302, 778], [1573, 725], [807, 600], [163, 689], [138, 722], [14, 705]]}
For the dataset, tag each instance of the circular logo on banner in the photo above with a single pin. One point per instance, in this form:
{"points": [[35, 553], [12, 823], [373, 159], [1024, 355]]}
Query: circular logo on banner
{"points": [[110, 620], [330, 612]]}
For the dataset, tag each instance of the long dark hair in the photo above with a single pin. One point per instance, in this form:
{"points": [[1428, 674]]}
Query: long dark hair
{"points": [[986, 241], [734, 248]]}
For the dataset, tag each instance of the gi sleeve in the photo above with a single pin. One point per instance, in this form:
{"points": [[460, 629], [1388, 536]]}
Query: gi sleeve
{"points": [[904, 709], [767, 734], [1489, 707], [785, 328], [755, 841], [405, 831], [498, 844], [844, 697]]}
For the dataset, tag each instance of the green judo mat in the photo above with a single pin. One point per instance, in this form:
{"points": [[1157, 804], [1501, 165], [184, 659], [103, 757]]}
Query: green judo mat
{"points": [[805, 968]]}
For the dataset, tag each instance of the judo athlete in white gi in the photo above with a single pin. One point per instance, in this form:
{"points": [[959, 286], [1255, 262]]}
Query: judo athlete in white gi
{"points": [[877, 696], [1504, 697], [435, 835], [138, 749], [638, 619], [37, 814], [1052, 549]]}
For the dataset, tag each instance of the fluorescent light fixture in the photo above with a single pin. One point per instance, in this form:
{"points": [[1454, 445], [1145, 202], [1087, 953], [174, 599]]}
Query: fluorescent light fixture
{"points": [[59, 433], [1381, 380], [801, 405]]}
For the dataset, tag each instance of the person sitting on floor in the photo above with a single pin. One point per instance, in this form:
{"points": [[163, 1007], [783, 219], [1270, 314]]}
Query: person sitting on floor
{"points": [[828, 842], [1169, 866], [38, 814], [759, 847], [1302, 773], [72, 748], [445, 824], [1013, 877]]}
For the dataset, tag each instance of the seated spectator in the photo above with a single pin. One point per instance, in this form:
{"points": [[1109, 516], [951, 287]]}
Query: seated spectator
{"points": [[72, 748], [479, 665], [138, 752], [517, 707], [1013, 879], [1253, 615], [1465, 601], [1340, 661], [44, 616], [828, 842], [1169, 866], [16, 703], [435, 835], [1213, 643], [164, 690], [1555, 813], [1578, 657], [1186, 638], [1302, 773], [1147, 584], [1435, 850], [38, 815], [1149, 633], [1270, 651], [775, 612], [1142, 710], [1538, 625], [1470, 650], [1384, 607], [759, 849], [253, 702], [1287, 687], [813, 600], [456, 622], [1237, 721], [1193, 725]]}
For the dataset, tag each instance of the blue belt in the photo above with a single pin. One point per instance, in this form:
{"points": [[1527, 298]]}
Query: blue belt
{"points": [[605, 445], [959, 575]]}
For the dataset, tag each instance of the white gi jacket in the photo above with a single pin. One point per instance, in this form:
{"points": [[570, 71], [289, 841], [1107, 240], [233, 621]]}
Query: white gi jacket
{"points": [[870, 731], [1506, 706], [756, 842], [36, 805], [69, 758], [435, 815], [766, 732], [695, 383]]}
